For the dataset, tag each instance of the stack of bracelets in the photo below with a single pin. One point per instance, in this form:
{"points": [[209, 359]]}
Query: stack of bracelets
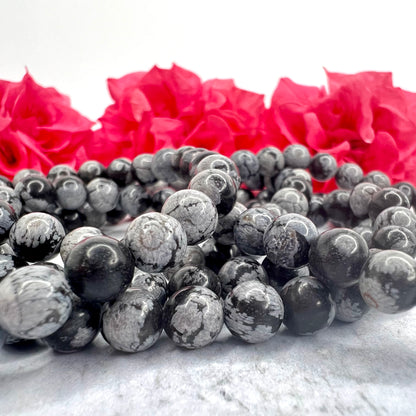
{"points": [[241, 241]]}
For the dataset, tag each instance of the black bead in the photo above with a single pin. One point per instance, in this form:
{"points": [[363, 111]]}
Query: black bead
{"points": [[360, 198], [296, 156], [249, 168], [7, 218], [59, 171], [271, 161], [141, 167], [317, 213], [90, 170], [348, 175], [337, 207], [385, 198], [378, 178], [323, 166], [393, 237], [409, 190], [120, 171]]}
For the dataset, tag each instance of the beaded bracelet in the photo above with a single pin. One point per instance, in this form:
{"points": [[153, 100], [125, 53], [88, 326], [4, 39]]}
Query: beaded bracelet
{"points": [[212, 240]]}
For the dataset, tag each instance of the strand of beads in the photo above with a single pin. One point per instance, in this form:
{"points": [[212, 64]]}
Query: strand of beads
{"points": [[211, 239]]}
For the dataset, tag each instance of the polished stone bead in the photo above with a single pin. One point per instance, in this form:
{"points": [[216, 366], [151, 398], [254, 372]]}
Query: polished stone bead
{"points": [[194, 276], [133, 322], [285, 247], [199, 157], [155, 283], [219, 186], [177, 157], [378, 178], [388, 281], [240, 269], [162, 167], [7, 218], [71, 219], [317, 213], [348, 176], [99, 269], [134, 200], [215, 254], [186, 158], [103, 194], [291, 200], [5, 182], [274, 209], [386, 198], [299, 184], [92, 217], [308, 305], [70, 192], [337, 256], [409, 190], [36, 236], [35, 302], [157, 241], [271, 161], [36, 193], [323, 167], [194, 256], [222, 163], [301, 224], [90, 170], [224, 233], [296, 156], [244, 196], [115, 216], [249, 168], [349, 304], [253, 311], [159, 193], [366, 232], [59, 171], [9, 263], [249, 230], [193, 317], [141, 167], [79, 330], [120, 171], [337, 207], [9, 195], [75, 237], [394, 237], [360, 198], [401, 216], [288, 173], [195, 211]]}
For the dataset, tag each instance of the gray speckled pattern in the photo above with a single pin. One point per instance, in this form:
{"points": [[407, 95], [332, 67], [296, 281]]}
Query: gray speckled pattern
{"points": [[76, 236], [253, 311], [349, 304], [103, 194], [70, 192], [34, 302], [9, 195], [156, 241], [195, 211], [134, 322], [224, 233]]}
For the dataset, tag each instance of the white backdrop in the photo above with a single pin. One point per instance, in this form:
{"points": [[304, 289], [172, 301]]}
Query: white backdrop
{"points": [[75, 45]]}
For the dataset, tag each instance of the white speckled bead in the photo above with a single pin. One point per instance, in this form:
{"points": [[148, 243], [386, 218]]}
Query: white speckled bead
{"points": [[76, 236], [34, 302]]}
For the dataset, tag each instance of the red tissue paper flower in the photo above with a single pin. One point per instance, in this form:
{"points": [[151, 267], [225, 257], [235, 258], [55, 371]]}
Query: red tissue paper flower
{"points": [[172, 107], [363, 119], [38, 128]]}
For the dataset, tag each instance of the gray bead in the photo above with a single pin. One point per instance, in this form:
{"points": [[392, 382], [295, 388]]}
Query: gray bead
{"points": [[224, 233], [361, 196], [134, 200], [291, 200], [70, 192], [142, 168], [155, 283], [195, 211], [34, 302], [349, 304], [133, 322], [194, 256], [75, 237], [249, 168], [103, 194], [297, 156], [23, 173], [156, 241], [9, 195], [93, 218]]}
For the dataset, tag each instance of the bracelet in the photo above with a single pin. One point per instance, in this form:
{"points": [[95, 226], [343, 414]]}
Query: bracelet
{"points": [[211, 240]]}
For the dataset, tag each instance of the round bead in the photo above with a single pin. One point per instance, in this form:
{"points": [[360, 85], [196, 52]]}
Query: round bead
{"points": [[222, 163], [90, 170], [36, 236], [219, 186], [316, 211], [194, 256], [9, 263], [25, 172], [240, 269], [323, 166], [92, 218], [70, 192], [409, 190], [249, 168], [193, 317], [285, 247], [99, 269], [271, 161], [224, 233], [141, 166], [386, 198], [253, 311], [59, 171], [348, 176], [134, 200], [79, 330], [7, 218], [9, 195], [401, 216], [196, 213], [159, 195], [337, 207], [388, 281], [291, 200], [162, 167], [5, 182], [156, 241], [249, 230], [301, 224], [75, 237], [194, 276], [244, 196], [299, 184], [365, 232], [133, 322], [337, 256], [360, 198], [274, 209], [103, 194], [120, 171], [155, 283], [349, 304], [378, 178], [394, 237], [308, 304], [34, 302], [296, 156]]}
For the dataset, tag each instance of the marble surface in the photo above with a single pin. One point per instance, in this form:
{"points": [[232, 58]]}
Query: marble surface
{"points": [[364, 368]]}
